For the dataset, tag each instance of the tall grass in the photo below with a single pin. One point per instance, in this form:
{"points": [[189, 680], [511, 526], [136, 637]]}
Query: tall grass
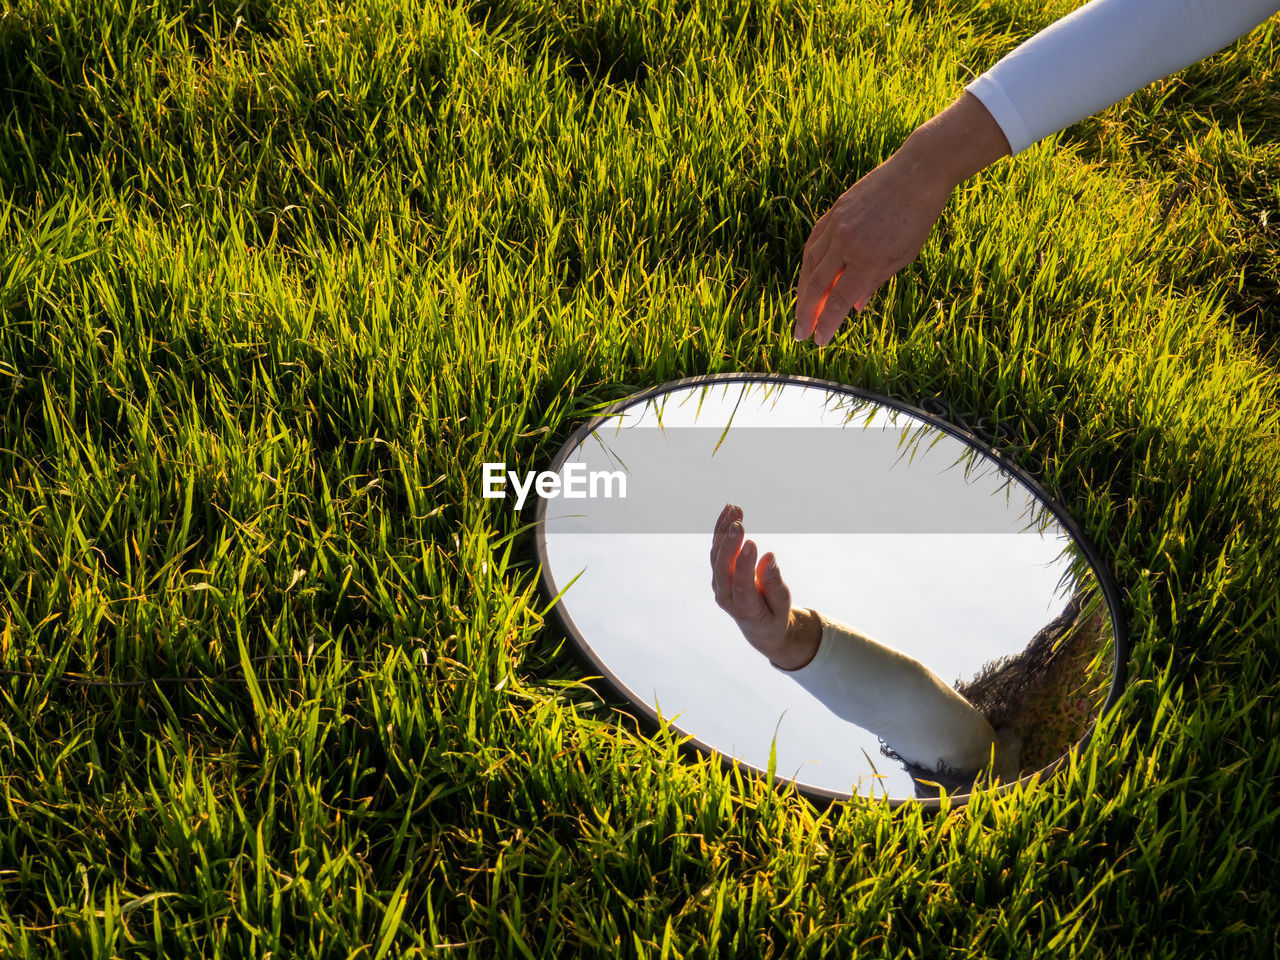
{"points": [[276, 279]]}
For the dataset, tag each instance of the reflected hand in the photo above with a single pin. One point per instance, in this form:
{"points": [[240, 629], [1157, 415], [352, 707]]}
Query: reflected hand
{"points": [[753, 593], [873, 230]]}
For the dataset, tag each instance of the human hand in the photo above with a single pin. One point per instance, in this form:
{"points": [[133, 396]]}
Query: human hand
{"points": [[879, 225], [755, 595], [873, 230]]}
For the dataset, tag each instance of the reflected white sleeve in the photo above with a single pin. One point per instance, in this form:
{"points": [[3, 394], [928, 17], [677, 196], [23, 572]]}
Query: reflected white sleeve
{"points": [[897, 698], [1100, 53]]}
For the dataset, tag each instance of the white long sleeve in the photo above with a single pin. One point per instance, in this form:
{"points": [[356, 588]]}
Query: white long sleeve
{"points": [[1100, 53], [897, 698]]}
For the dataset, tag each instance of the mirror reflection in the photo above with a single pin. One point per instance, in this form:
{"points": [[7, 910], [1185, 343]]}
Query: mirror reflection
{"points": [[808, 579]]}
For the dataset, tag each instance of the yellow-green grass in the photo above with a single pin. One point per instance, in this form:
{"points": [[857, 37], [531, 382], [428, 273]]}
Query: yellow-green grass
{"points": [[276, 280]]}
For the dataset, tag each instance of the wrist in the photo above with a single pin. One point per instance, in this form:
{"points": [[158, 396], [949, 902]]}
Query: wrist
{"points": [[800, 644], [953, 145]]}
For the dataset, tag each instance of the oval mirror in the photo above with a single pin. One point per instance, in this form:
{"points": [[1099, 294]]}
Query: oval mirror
{"points": [[931, 620]]}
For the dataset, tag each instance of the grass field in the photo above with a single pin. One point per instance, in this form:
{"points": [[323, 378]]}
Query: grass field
{"points": [[277, 278]]}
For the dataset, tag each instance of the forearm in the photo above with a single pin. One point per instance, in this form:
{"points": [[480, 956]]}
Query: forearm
{"points": [[954, 145], [896, 697], [1100, 53]]}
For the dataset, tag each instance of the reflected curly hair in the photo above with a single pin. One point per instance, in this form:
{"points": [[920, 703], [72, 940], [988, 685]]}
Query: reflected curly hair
{"points": [[1046, 695]]}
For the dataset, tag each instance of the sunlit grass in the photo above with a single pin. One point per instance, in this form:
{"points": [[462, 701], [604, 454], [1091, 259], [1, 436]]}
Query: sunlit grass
{"points": [[277, 279]]}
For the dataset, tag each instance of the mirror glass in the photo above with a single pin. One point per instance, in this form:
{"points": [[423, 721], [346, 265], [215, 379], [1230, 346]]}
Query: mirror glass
{"points": [[950, 628]]}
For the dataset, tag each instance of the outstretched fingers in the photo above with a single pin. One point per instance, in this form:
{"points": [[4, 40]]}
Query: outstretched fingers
{"points": [[813, 290], [745, 587], [725, 542], [811, 286], [773, 589], [747, 602], [836, 305]]}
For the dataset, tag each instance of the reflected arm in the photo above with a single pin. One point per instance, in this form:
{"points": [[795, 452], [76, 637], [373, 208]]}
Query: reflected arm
{"points": [[897, 698], [867, 683]]}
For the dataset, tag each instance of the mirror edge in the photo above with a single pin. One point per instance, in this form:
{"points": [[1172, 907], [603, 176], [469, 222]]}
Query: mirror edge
{"points": [[817, 795]]}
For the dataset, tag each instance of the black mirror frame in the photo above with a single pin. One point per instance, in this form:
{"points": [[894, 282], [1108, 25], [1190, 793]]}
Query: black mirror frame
{"points": [[649, 718]]}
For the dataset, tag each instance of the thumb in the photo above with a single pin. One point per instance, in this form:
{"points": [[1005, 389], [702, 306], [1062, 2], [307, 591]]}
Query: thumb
{"points": [[772, 587]]}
